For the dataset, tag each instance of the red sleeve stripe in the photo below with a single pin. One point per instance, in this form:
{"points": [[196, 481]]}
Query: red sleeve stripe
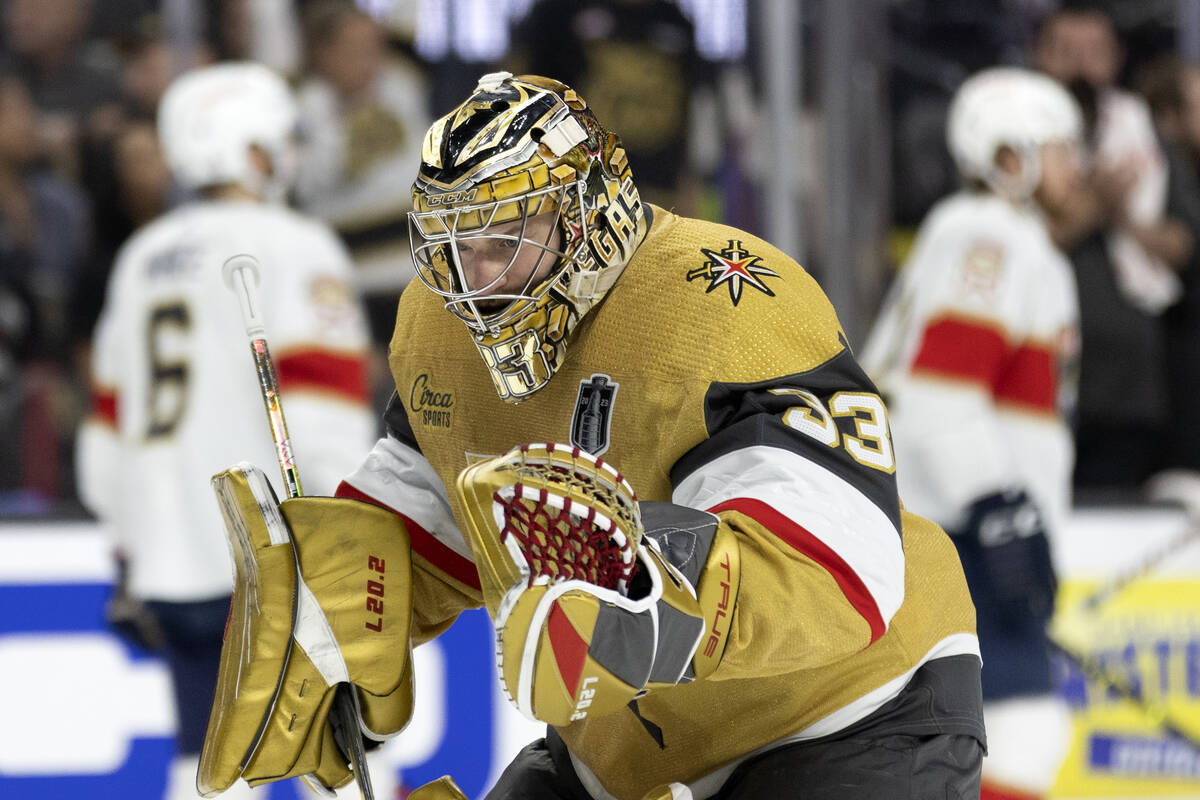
{"points": [[1029, 378], [424, 543], [104, 406], [963, 349], [341, 374], [802, 541]]}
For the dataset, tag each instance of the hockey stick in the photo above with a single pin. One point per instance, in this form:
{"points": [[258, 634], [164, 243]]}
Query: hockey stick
{"points": [[1119, 583], [242, 276]]}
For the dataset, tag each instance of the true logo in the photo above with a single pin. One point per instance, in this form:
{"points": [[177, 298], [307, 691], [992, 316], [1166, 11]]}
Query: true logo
{"points": [[592, 421], [733, 267], [431, 407]]}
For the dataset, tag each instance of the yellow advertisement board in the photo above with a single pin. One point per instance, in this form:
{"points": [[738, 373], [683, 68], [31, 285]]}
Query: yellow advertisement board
{"points": [[1133, 681]]}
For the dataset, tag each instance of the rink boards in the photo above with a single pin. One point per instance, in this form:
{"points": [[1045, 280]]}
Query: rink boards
{"points": [[87, 716]]}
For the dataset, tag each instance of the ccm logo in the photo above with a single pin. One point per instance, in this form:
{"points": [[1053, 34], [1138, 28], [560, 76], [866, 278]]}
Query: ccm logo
{"points": [[449, 198], [585, 698], [375, 593], [722, 609]]}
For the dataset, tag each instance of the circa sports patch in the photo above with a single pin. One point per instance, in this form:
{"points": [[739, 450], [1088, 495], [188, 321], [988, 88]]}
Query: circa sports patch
{"points": [[430, 404], [592, 420], [733, 267]]}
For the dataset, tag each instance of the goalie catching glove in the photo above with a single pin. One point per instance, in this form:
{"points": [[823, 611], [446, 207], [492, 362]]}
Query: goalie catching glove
{"points": [[595, 597], [322, 597]]}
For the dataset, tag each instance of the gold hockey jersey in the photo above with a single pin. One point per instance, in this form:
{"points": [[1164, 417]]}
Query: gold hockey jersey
{"points": [[714, 375]]}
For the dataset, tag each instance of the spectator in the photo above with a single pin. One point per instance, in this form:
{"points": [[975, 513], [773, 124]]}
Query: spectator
{"points": [[44, 239], [636, 62], [264, 31], [976, 351], [43, 215], [1173, 92], [363, 110], [148, 63], [73, 92], [1123, 250], [17, 334]]}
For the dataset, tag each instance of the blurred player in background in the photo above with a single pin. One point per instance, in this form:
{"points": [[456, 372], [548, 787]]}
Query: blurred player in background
{"points": [[789, 630], [175, 397], [976, 351]]}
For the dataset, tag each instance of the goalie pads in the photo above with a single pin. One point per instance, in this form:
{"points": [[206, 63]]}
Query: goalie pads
{"points": [[322, 597], [590, 609], [444, 788]]}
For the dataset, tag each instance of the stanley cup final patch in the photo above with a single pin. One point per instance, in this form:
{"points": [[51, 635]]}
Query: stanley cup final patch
{"points": [[593, 414]]}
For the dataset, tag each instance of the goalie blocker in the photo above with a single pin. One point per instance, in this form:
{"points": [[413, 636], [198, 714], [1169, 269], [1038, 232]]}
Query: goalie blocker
{"points": [[596, 598], [322, 597]]}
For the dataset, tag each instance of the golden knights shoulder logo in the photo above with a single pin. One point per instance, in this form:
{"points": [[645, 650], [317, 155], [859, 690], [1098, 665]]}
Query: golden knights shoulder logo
{"points": [[733, 267], [592, 421]]}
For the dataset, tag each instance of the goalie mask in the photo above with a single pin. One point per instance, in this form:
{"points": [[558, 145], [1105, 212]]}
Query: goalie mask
{"points": [[525, 213]]}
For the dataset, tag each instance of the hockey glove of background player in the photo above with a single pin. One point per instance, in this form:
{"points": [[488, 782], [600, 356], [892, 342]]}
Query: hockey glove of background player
{"points": [[591, 609], [1006, 557], [322, 596], [129, 617]]}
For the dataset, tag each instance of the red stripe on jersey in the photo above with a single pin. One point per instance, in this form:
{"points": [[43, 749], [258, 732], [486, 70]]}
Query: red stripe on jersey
{"points": [[960, 348], [570, 650], [424, 543], [801, 540], [104, 406], [1029, 378], [344, 375]]}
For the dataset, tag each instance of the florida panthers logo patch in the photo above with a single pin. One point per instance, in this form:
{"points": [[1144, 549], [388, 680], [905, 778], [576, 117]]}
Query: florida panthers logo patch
{"points": [[593, 414], [733, 267]]}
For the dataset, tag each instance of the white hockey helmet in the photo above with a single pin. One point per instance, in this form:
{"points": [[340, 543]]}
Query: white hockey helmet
{"points": [[1013, 107], [209, 117]]}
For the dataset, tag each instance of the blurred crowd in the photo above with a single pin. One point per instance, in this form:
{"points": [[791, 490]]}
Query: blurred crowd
{"points": [[81, 169], [81, 166]]}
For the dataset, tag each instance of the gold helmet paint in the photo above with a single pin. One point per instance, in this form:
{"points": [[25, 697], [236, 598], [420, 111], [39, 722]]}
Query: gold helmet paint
{"points": [[525, 212]]}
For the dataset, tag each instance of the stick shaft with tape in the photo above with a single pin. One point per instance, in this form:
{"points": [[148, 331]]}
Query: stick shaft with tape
{"points": [[242, 275]]}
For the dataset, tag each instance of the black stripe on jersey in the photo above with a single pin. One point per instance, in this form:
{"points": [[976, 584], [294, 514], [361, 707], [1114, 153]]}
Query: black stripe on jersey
{"points": [[395, 420], [740, 415]]}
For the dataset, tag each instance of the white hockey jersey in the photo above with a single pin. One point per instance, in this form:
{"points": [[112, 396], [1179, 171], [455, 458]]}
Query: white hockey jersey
{"points": [[976, 351], [175, 391]]}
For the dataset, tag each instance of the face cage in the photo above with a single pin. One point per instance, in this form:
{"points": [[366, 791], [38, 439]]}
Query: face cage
{"points": [[435, 238]]}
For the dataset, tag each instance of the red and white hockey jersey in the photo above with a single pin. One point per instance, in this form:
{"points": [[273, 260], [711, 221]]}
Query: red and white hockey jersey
{"points": [[976, 352], [175, 392]]}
